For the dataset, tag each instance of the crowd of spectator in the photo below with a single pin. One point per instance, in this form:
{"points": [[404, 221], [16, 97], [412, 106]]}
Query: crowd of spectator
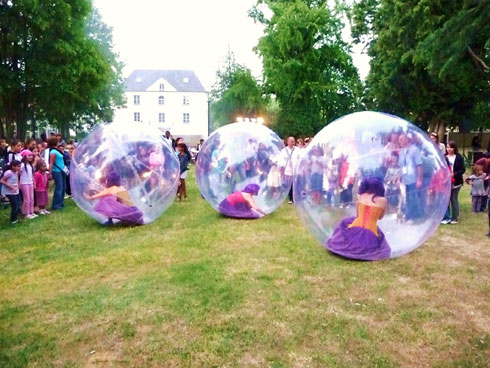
{"points": [[27, 168]]}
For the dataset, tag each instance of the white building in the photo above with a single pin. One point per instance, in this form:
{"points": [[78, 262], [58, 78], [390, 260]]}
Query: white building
{"points": [[174, 100]]}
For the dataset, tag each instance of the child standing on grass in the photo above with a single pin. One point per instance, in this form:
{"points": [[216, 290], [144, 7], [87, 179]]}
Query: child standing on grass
{"points": [[10, 188], [26, 185], [41, 184], [477, 180], [184, 162]]}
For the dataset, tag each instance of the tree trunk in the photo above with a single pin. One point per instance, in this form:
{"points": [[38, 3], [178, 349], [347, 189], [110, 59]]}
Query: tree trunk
{"points": [[441, 132], [21, 130], [9, 119], [65, 131], [10, 125], [21, 118]]}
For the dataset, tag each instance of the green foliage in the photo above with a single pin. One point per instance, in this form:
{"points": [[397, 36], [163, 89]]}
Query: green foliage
{"points": [[111, 92], [236, 93], [361, 16], [306, 65], [224, 76], [429, 59], [458, 53], [57, 64]]}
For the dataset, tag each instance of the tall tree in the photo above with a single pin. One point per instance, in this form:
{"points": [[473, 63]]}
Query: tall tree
{"points": [[429, 59], [235, 93], [110, 93], [51, 68], [306, 64]]}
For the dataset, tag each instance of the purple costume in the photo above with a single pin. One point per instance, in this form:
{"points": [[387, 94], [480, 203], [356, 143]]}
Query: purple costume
{"points": [[235, 204], [110, 207], [360, 237], [358, 242]]}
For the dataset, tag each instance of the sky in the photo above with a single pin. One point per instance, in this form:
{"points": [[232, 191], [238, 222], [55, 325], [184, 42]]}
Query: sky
{"points": [[188, 34]]}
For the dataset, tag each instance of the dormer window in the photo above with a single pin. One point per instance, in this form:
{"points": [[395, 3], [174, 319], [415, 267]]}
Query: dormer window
{"points": [[161, 100], [138, 80], [162, 86], [186, 80]]}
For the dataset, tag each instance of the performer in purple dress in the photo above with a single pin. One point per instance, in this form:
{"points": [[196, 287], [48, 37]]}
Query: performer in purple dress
{"points": [[114, 202], [241, 204], [360, 237]]}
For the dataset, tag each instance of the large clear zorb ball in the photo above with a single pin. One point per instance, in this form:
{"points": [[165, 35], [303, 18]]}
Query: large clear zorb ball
{"points": [[242, 165], [372, 186], [124, 173]]}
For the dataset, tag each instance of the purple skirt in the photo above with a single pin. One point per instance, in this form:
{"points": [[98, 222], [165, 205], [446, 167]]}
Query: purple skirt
{"points": [[240, 210], [357, 242], [111, 208], [41, 198]]}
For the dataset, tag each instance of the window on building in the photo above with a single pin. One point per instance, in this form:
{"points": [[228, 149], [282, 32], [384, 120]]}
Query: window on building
{"points": [[161, 100], [136, 99], [162, 87], [161, 117], [186, 100], [137, 116], [186, 117]]}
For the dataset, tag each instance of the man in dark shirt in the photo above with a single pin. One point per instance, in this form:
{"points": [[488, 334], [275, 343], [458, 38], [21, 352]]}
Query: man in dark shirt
{"points": [[485, 163], [168, 138]]}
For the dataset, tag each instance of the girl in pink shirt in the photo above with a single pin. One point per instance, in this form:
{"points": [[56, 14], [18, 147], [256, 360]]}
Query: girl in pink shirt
{"points": [[41, 184]]}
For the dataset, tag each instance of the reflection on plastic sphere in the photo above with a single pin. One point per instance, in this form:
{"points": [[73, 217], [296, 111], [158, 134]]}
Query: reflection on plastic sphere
{"points": [[240, 170], [372, 186], [124, 173]]}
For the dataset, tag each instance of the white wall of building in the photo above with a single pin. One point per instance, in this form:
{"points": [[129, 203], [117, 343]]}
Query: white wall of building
{"points": [[173, 108]]}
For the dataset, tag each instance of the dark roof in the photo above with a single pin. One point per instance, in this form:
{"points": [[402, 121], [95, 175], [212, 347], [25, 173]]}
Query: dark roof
{"points": [[174, 77]]}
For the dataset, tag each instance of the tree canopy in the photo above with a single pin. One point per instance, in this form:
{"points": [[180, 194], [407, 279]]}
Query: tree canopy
{"points": [[56, 64], [429, 59], [235, 94], [306, 64]]}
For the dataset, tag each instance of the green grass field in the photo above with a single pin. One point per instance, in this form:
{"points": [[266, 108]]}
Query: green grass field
{"points": [[194, 289]]}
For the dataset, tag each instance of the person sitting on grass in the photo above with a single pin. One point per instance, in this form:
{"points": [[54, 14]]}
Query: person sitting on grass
{"points": [[360, 237], [114, 202], [241, 204]]}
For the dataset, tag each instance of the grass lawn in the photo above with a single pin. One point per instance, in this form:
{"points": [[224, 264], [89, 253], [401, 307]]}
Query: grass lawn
{"points": [[194, 289]]}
